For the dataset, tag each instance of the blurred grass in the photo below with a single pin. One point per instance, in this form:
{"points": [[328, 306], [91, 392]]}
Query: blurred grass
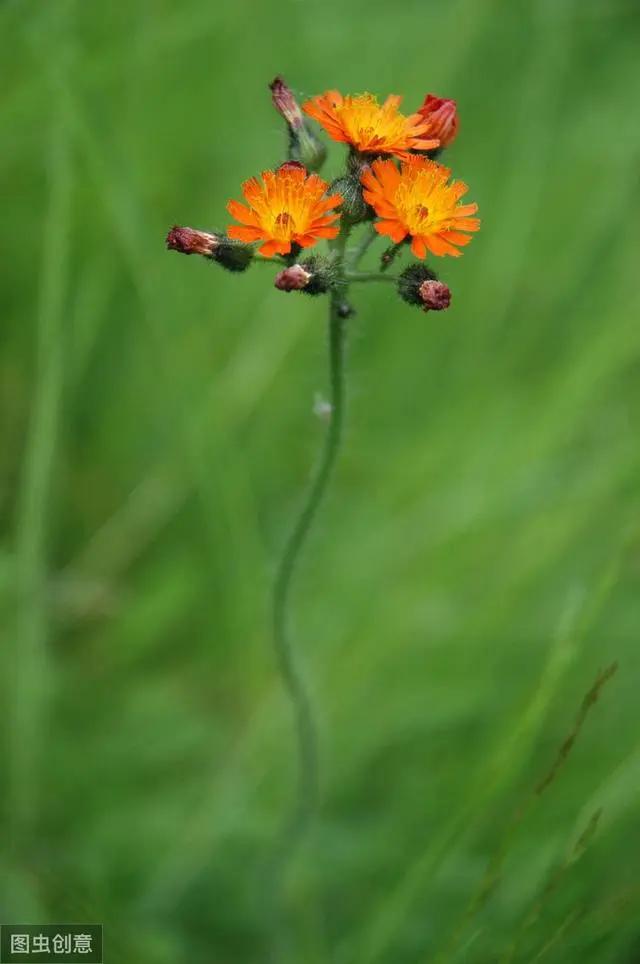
{"points": [[475, 565]]}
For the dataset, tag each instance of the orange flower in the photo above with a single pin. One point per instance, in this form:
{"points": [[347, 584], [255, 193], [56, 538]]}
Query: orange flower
{"points": [[368, 126], [287, 207], [418, 201], [442, 117]]}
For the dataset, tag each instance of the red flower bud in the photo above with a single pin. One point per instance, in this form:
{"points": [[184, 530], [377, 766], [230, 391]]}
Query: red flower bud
{"points": [[294, 278], [190, 241], [304, 145], [434, 295], [286, 104], [442, 115], [292, 166]]}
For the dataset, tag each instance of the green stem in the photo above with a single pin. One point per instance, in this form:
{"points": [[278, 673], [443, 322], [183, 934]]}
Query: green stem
{"points": [[306, 803], [306, 731], [389, 256]]}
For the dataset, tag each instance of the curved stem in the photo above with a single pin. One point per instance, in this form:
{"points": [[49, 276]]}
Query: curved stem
{"points": [[306, 732], [307, 739]]}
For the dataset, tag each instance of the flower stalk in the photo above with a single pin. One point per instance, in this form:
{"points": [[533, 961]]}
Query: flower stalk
{"points": [[306, 730], [306, 802]]}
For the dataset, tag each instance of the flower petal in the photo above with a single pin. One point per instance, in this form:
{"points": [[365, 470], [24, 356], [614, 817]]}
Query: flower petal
{"points": [[247, 234], [242, 213], [393, 230], [419, 248]]}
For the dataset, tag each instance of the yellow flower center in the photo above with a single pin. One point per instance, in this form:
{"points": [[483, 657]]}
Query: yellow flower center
{"points": [[369, 125], [424, 201]]}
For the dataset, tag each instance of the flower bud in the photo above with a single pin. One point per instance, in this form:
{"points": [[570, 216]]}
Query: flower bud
{"points": [[354, 208], [435, 295], [286, 104], [442, 114], [418, 285], [230, 254], [190, 241], [313, 277], [233, 255], [304, 145], [294, 278]]}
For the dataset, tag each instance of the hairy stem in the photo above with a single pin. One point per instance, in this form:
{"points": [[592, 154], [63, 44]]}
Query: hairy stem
{"points": [[306, 802], [307, 739]]}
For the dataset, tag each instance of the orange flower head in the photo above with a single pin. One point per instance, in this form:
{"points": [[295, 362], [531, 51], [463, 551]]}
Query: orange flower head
{"points": [[368, 126], [442, 117], [418, 201], [287, 207]]}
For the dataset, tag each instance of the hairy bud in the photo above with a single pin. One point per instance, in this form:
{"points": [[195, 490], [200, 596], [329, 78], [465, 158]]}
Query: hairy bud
{"points": [[354, 208], [304, 144], [294, 278], [435, 295], [232, 255], [190, 241], [315, 276], [418, 285], [286, 104]]}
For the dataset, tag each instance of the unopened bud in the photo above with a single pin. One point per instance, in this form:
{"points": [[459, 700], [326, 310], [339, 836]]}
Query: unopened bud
{"points": [[286, 104], [418, 285], [190, 241], [354, 208], [232, 255], [442, 114], [435, 295], [315, 276], [292, 165], [294, 278], [304, 144]]}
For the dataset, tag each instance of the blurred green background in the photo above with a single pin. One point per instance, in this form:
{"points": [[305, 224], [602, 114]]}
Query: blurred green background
{"points": [[476, 562]]}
